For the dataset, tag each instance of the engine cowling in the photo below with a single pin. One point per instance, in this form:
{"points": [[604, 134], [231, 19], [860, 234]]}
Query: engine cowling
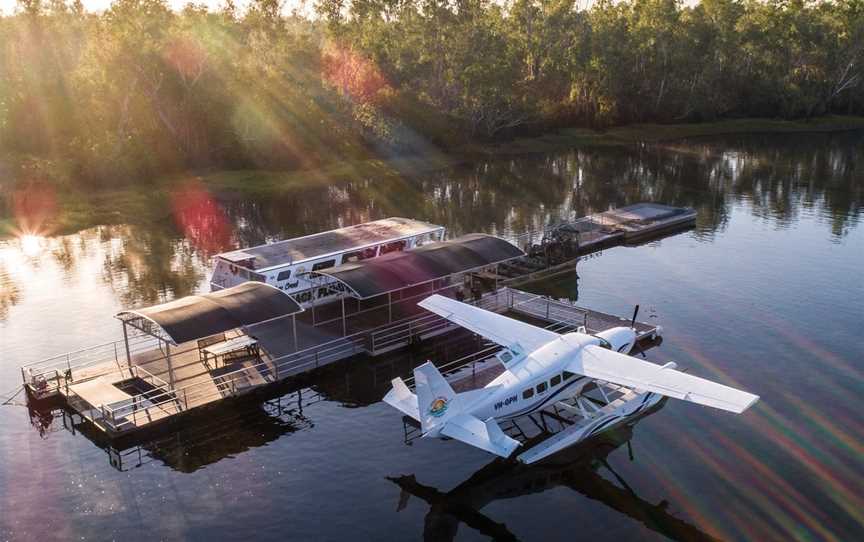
{"points": [[621, 339]]}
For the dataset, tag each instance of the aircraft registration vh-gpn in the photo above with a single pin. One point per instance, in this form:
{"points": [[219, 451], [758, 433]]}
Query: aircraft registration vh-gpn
{"points": [[558, 367]]}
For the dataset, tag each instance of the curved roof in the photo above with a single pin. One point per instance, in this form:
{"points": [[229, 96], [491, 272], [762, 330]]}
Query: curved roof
{"points": [[399, 270], [198, 316]]}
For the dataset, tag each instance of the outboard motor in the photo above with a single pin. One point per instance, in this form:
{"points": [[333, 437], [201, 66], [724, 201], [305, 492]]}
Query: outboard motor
{"points": [[621, 339]]}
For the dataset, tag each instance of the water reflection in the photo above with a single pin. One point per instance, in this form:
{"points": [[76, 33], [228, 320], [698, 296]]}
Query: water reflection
{"points": [[200, 440], [578, 468], [163, 252]]}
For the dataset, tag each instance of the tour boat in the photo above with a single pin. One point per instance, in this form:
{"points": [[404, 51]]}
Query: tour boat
{"points": [[286, 264]]}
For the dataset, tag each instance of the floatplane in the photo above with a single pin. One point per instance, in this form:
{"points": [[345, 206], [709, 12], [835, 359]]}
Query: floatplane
{"points": [[543, 368]]}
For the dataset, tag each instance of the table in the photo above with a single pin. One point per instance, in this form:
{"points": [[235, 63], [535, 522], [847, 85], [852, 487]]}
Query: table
{"points": [[243, 342]]}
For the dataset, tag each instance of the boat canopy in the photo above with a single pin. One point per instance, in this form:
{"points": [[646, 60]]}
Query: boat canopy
{"points": [[317, 245], [198, 316], [433, 261]]}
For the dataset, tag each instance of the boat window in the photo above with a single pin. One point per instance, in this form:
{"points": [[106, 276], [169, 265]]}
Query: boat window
{"points": [[541, 387], [358, 255], [555, 380], [527, 394], [568, 375], [283, 275], [393, 247], [323, 265]]}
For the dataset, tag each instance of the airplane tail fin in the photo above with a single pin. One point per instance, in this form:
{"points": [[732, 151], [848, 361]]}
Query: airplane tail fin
{"points": [[436, 400], [401, 398]]}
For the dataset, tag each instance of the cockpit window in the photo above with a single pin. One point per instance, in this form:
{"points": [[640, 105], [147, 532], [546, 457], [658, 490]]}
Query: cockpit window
{"points": [[603, 343]]}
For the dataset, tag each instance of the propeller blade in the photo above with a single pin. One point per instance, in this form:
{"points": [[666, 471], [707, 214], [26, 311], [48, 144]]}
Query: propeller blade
{"points": [[633, 321]]}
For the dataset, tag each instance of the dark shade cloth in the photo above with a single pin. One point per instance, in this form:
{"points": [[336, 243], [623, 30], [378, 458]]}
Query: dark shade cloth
{"points": [[198, 316], [398, 270]]}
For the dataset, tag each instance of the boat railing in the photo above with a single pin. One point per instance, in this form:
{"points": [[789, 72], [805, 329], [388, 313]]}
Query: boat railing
{"points": [[420, 327], [47, 375], [125, 414]]}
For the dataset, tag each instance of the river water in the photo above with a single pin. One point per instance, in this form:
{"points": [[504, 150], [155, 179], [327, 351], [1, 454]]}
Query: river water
{"points": [[765, 293]]}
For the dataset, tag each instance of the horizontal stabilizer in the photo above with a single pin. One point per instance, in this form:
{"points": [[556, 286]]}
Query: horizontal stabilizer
{"points": [[484, 435], [513, 334], [401, 398], [602, 364]]}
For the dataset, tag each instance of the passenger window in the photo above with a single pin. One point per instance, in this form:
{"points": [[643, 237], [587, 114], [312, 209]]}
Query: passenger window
{"points": [[541, 387], [527, 394], [323, 265], [284, 275], [555, 380], [393, 247], [568, 375]]}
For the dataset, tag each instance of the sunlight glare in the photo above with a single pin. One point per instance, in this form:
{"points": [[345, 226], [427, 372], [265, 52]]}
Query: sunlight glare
{"points": [[31, 245]]}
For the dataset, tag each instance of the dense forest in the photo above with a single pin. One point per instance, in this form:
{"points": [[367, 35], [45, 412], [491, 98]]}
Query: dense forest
{"points": [[140, 90]]}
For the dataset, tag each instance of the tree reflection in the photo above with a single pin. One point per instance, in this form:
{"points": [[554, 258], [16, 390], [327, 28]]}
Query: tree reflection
{"points": [[776, 177], [146, 266], [9, 292]]}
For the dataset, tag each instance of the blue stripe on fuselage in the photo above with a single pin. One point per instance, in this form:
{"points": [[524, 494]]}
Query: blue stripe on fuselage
{"points": [[540, 405]]}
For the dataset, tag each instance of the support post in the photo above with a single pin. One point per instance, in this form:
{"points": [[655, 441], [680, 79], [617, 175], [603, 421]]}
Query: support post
{"points": [[294, 329], [389, 307], [170, 366], [126, 342], [344, 318]]}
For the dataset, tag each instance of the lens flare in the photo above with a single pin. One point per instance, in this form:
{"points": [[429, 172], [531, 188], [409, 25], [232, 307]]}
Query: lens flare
{"points": [[200, 218]]}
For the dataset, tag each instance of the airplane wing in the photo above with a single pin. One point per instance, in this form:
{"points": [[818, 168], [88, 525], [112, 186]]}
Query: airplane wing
{"points": [[484, 435], [602, 364], [513, 334]]}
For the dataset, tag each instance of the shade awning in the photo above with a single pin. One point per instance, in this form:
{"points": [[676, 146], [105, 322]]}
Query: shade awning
{"points": [[198, 316], [433, 261]]}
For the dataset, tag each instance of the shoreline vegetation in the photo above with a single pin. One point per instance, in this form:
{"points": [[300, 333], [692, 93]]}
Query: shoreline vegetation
{"points": [[100, 111], [80, 209], [140, 91]]}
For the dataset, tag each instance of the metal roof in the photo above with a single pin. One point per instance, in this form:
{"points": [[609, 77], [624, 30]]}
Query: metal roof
{"points": [[330, 242], [198, 316], [398, 270]]}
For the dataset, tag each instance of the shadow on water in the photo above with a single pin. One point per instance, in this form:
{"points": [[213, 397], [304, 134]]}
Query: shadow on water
{"points": [[246, 423], [577, 468], [239, 424]]}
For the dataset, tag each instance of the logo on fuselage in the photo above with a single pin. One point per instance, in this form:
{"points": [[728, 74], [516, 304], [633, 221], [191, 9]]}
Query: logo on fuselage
{"points": [[438, 407]]}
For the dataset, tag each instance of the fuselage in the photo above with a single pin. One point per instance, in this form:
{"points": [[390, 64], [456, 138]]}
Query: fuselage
{"points": [[536, 380]]}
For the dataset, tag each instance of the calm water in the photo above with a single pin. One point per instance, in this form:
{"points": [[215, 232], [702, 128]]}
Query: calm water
{"points": [[766, 292]]}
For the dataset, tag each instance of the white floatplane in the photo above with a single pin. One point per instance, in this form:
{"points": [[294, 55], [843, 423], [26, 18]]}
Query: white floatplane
{"points": [[543, 368]]}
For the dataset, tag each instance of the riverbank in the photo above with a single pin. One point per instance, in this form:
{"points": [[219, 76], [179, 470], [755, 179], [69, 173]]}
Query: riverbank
{"points": [[267, 181], [62, 208], [661, 133]]}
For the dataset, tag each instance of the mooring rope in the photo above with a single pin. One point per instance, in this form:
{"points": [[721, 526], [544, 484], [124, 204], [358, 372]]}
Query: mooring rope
{"points": [[10, 400]]}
